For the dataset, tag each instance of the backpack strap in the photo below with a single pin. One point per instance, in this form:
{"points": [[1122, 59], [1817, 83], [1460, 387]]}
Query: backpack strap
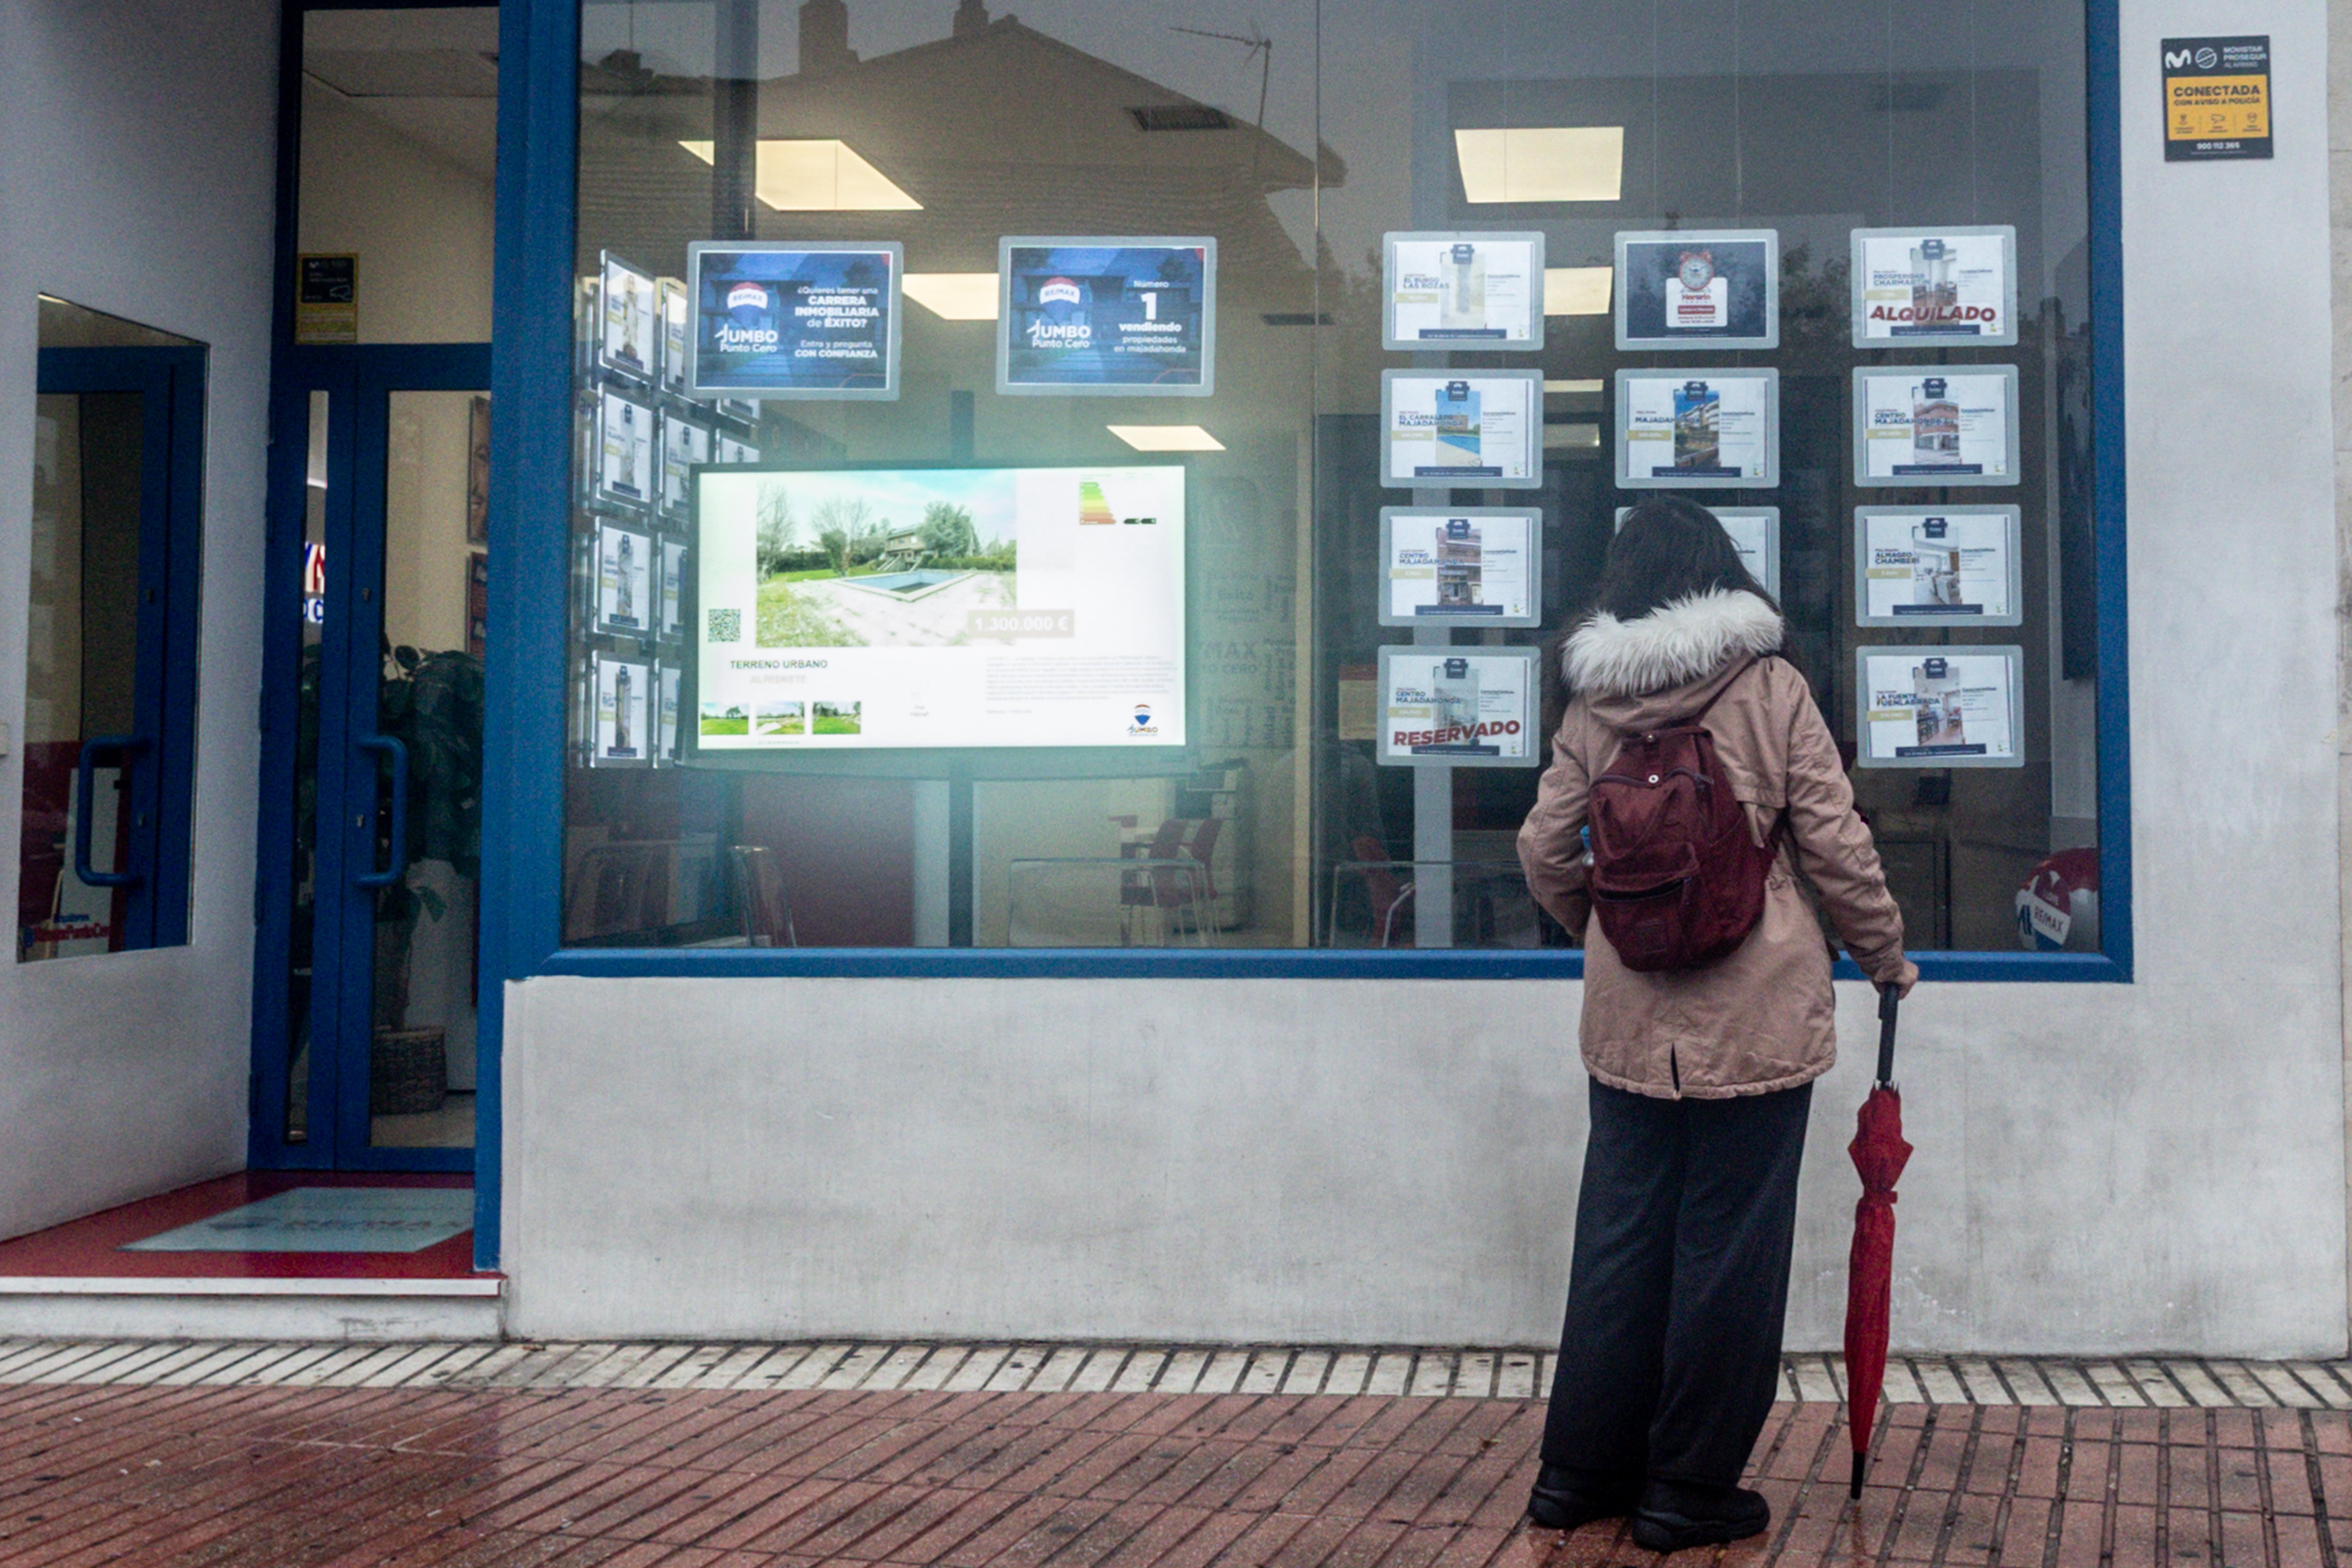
{"points": [[1725, 690], [1624, 736]]}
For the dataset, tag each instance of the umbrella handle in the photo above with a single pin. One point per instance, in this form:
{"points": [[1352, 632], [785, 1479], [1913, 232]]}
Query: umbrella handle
{"points": [[1888, 1002]]}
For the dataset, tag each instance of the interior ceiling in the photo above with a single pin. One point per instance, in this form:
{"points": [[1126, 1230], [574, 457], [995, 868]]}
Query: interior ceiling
{"points": [[430, 75], [404, 73]]}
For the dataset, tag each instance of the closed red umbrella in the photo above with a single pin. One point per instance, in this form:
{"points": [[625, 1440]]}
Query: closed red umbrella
{"points": [[1879, 1154]]}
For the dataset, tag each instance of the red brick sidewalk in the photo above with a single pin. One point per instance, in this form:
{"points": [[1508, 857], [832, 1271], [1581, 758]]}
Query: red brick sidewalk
{"points": [[267, 1476]]}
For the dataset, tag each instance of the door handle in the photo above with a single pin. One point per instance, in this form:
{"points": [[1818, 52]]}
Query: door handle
{"points": [[398, 867], [85, 789]]}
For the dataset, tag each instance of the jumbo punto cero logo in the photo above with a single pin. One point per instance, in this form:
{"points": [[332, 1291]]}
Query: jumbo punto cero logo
{"points": [[1061, 319], [749, 326], [1143, 725]]}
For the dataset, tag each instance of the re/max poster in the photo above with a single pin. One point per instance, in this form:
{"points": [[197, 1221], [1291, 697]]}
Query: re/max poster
{"points": [[808, 320], [1129, 317]]}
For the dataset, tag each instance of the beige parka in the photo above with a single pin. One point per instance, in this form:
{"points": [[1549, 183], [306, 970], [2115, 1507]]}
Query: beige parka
{"points": [[1760, 1018]]}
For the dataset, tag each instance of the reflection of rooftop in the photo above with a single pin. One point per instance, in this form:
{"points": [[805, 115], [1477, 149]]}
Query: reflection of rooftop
{"points": [[999, 128]]}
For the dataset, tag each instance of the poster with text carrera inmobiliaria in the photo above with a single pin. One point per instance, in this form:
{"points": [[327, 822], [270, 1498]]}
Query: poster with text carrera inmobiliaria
{"points": [[816, 320]]}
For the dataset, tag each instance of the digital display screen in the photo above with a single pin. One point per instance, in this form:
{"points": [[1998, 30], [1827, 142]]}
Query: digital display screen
{"points": [[813, 320], [1131, 316], [850, 609]]}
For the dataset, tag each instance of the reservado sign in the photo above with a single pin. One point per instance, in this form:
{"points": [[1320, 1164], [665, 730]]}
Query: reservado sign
{"points": [[2217, 98]]}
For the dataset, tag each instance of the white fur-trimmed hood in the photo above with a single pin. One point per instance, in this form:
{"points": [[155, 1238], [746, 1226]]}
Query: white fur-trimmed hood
{"points": [[1685, 640]]}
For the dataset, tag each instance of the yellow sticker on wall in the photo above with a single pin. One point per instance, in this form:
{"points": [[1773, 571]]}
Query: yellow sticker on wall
{"points": [[2217, 98], [327, 299]]}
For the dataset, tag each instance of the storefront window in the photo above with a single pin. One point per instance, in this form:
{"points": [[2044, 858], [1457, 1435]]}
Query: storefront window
{"points": [[1109, 477], [109, 728]]}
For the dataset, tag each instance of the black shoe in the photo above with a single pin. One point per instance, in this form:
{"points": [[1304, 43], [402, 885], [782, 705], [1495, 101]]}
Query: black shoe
{"points": [[1676, 1514], [1565, 1498]]}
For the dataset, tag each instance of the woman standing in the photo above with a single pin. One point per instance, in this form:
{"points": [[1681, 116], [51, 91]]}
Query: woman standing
{"points": [[1701, 1077]]}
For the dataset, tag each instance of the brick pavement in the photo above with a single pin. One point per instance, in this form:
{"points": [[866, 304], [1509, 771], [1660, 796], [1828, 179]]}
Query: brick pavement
{"points": [[261, 1475]]}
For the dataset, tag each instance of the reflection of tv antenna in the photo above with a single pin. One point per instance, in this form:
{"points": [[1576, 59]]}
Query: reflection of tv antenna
{"points": [[1255, 43]]}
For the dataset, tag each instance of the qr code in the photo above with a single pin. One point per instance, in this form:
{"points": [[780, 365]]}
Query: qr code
{"points": [[726, 627]]}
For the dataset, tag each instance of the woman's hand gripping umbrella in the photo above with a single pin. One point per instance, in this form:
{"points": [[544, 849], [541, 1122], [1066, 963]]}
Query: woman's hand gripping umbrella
{"points": [[1879, 1154]]}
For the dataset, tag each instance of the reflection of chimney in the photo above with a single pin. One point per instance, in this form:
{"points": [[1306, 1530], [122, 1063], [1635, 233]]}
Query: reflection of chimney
{"points": [[824, 37], [971, 17]]}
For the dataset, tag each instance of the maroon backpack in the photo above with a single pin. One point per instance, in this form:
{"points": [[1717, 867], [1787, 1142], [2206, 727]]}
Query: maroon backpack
{"points": [[1676, 881]]}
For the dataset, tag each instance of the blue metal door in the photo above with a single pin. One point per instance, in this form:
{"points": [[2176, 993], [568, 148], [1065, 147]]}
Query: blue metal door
{"points": [[369, 768]]}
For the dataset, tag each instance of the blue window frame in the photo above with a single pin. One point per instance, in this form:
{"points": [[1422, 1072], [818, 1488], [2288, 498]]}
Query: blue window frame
{"points": [[155, 754], [527, 744]]}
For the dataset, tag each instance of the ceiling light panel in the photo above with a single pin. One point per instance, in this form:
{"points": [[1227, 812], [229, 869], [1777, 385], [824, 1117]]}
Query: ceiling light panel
{"points": [[1167, 437], [1541, 163], [818, 175]]}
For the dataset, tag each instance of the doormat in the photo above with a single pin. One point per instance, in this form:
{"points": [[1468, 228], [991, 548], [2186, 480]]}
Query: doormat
{"points": [[326, 1219]]}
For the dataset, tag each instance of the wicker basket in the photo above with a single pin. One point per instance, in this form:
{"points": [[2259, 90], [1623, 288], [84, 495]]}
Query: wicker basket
{"points": [[408, 1072]]}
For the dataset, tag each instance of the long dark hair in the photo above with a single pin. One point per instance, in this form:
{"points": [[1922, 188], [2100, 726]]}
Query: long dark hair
{"points": [[1667, 549]]}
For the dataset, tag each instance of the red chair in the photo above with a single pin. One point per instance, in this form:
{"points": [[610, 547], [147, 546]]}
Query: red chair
{"points": [[1192, 893], [766, 908], [1166, 884], [1387, 895]]}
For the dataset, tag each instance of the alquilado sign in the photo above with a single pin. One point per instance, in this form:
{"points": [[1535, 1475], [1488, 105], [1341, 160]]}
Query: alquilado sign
{"points": [[2217, 98]]}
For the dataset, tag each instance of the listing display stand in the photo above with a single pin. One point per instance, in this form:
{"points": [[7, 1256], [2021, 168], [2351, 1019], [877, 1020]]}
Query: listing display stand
{"points": [[639, 441], [1432, 814], [1439, 708], [1458, 581]]}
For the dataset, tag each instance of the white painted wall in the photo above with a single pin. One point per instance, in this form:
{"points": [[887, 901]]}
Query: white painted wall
{"points": [[418, 219], [136, 178], [2157, 1166]]}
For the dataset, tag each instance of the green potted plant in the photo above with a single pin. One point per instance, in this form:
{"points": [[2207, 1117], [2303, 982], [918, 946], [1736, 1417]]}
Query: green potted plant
{"points": [[432, 704]]}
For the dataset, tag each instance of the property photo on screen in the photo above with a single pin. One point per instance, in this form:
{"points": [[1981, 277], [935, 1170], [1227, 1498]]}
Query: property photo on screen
{"points": [[940, 607]]}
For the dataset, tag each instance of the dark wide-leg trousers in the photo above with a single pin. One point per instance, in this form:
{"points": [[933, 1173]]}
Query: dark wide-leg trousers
{"points": [[1671, 1354]]}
